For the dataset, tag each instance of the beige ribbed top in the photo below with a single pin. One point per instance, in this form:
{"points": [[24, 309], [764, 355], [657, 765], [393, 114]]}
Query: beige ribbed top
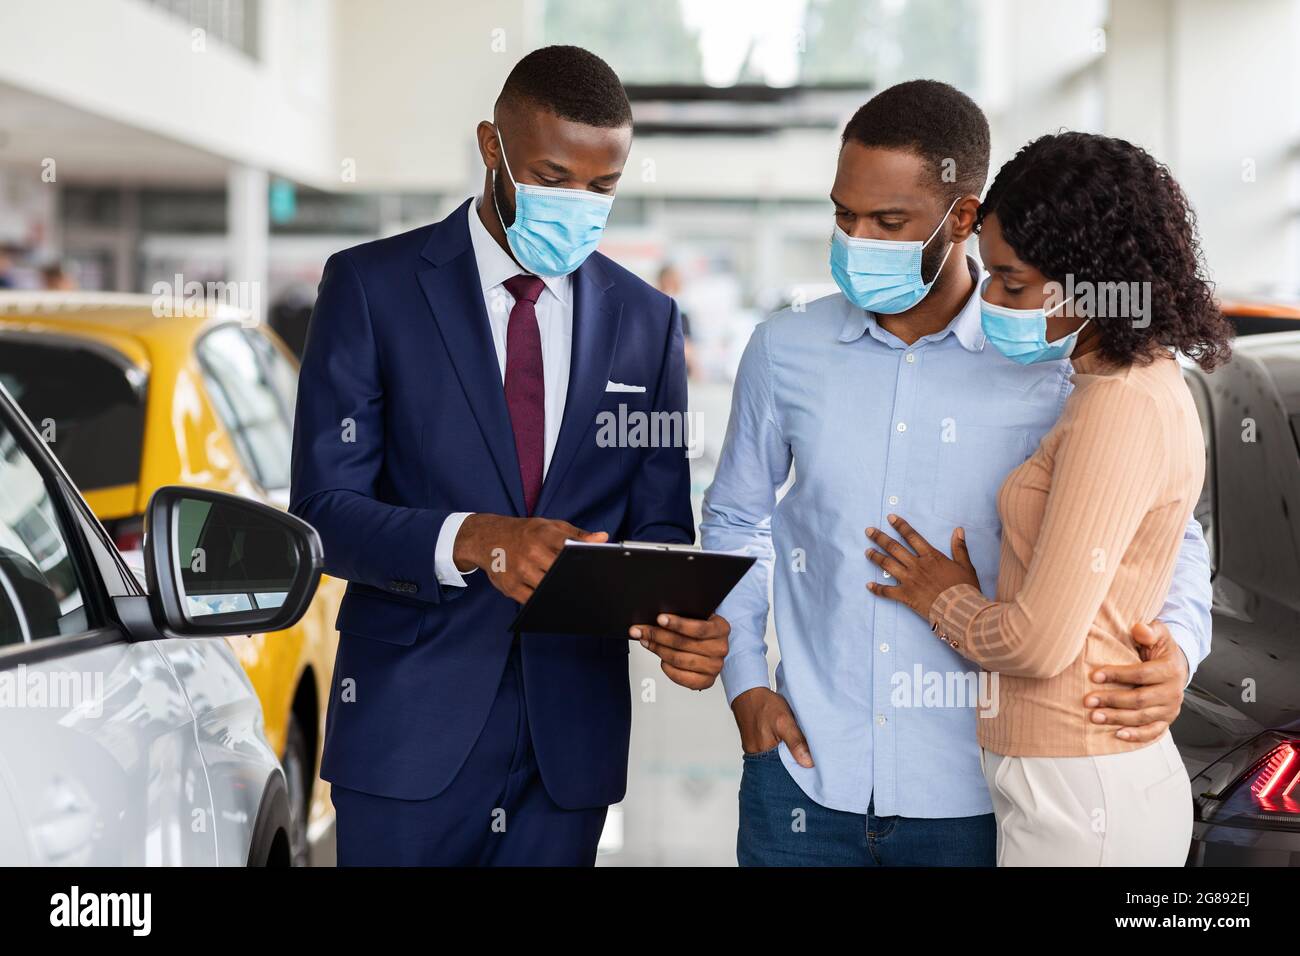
{"points": [[1091, 527]]}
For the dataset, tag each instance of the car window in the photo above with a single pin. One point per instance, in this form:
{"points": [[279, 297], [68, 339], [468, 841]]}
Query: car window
{"points": [[39, 593], [282, 373], [1204, 510], [87, 403], [248, 404]]}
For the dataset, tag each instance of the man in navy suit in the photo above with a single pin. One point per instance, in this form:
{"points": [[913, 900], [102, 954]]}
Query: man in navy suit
{"points": [[446, 445]]}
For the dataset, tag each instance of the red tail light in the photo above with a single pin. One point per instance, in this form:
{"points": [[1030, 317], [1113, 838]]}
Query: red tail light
{"points": [[1256, 785], [1275, 780]]}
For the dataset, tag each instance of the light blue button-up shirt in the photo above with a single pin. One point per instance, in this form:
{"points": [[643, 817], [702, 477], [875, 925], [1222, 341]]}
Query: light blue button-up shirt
{"points": [[873, 426]]}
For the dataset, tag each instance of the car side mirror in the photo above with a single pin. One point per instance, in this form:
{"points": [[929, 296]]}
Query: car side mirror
{"points": [[219, 565]]}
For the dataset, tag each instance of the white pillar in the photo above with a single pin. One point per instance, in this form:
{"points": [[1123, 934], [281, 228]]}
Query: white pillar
{"points": [[247, 232]]}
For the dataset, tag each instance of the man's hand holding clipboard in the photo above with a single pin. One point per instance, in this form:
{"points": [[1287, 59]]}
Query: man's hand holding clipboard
{"points": [[517, 554], [690, 651]]}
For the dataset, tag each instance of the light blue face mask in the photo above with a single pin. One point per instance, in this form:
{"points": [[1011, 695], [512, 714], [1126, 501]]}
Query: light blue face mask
{"points": [[1021, 334], [882, 275], [554, 229]]}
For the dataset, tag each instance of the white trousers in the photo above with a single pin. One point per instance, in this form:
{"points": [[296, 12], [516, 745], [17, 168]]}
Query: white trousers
{"points": [[1125, 809]]}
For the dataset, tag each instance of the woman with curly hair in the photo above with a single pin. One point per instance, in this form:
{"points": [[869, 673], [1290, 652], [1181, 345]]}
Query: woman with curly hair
{"points": [[1092, 521]]}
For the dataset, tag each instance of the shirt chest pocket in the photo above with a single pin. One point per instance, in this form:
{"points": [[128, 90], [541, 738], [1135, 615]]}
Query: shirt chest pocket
{"points": [[972, 462]]}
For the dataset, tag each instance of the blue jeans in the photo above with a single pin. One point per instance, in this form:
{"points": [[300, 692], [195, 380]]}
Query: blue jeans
{"points": [[772, 833]]}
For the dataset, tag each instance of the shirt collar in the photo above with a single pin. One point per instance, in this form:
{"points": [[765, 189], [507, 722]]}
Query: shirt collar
{"points": [[966, 325], [495, 265]]}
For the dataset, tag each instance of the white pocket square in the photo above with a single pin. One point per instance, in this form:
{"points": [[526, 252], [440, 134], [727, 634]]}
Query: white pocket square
{"points": [[620, 387]]}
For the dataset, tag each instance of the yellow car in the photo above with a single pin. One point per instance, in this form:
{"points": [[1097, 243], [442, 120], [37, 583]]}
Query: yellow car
{"points": [[129, 400]]}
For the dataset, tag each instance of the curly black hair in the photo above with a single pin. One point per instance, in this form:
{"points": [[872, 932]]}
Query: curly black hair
{"points": [[1102, 210], [937, 122], [572, 83]]}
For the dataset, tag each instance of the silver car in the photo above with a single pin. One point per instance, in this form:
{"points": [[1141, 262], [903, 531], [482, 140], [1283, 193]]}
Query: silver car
{"points": [[129, 734]]}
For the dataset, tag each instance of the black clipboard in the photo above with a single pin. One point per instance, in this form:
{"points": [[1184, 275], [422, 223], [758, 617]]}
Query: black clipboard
{"points": [[604, 589]]}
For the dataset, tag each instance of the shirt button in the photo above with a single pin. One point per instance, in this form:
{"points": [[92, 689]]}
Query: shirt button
{"points": [[911, 356], [884, 648], [893, 499], [902, 426], [880, 719]]}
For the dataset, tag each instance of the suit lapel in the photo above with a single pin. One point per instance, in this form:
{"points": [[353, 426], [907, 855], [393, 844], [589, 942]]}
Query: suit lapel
{"points": [[596, 318], [455, 296]]}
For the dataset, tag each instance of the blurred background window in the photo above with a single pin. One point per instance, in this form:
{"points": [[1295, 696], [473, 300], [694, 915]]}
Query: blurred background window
{"points": [[233, 22], [776, 43]]}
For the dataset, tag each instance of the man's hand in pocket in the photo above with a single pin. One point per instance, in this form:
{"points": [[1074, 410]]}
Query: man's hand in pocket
{"points": [[765, 720]]}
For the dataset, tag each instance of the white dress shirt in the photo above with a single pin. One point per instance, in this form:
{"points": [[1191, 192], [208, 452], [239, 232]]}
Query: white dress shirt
{"points": [[554, 321]]}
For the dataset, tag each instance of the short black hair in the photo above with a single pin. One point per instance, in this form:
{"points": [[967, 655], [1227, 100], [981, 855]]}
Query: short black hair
{"points": [[570, 82], [937, 122], [1102, 210]]}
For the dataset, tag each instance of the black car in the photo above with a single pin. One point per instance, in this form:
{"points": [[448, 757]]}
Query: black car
{"points": [[1239, 731]]}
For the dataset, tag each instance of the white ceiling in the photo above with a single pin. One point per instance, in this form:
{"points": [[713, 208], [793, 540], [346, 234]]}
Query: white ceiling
{"points": [[89, 148]]}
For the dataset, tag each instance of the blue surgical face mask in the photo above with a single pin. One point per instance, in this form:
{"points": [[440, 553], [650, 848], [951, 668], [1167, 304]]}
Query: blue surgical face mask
{"points": [[554, 229], [1021, 334], [882, 275]]}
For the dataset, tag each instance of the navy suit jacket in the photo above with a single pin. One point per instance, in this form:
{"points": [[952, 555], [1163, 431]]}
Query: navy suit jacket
{"points": [[402, 420]]}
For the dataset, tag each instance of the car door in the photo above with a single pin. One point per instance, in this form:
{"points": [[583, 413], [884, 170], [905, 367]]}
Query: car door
{"points": [[98, 759]]}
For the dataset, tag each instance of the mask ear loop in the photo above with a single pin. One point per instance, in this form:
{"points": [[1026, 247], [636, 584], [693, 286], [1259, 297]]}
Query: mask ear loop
{"points": [[501, 144], [1061, 305], [936, 228], [942, 263], [944, 260]]}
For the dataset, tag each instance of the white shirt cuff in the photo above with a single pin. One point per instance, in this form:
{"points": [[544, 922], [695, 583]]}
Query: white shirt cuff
{"points": [[444, 563]]}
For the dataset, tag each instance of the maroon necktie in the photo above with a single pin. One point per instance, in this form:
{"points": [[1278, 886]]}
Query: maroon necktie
{"points": [[525, 386]]}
